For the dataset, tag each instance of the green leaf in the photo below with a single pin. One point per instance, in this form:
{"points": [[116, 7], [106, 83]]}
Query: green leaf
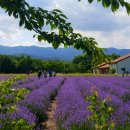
{"points": [[63, 16], [106, 3], [49, 38], [21, 22], [55, 45], [57, 10], [53, 26], [35, 25], [121, 2], [15, 14], [47, 22], [60, 32], [40, 38], [112, 125], [103, 120], [34, 35], [110, 109], [41, 22], [127, 5], [44, 35], [114, 5], [28, 25], [90, 1], [99, 0], [65, 45], [9, 12]]}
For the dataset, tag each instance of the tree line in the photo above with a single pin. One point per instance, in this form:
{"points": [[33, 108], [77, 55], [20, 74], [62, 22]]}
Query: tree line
{"points": [[14, 64], [20, 64]]}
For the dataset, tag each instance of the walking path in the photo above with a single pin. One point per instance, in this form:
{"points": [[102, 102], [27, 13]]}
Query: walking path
{"points": [[50, 124]]}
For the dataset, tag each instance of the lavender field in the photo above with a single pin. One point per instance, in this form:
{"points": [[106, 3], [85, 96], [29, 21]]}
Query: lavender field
{"points": [[4, 77], [70, 94]]}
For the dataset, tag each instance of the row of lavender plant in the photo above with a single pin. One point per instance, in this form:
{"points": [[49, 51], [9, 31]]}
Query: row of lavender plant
{"points": [[4, 77], [71, 110], [109, 87], [32, 83], [32, 109], [39, 99], [71, 113], [112, 87], [102, 86], [123, 82]]}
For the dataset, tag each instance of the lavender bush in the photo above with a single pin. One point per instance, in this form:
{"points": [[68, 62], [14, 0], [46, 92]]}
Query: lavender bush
{"points": [[72, 107], [114, 88], [39, 99]]}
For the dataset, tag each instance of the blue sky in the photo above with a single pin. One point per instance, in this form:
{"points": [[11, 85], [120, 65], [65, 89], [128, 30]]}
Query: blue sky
{"points": [[91, 20]]}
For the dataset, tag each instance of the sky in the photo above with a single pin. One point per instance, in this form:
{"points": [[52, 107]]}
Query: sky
{"points": [[92, 20]]}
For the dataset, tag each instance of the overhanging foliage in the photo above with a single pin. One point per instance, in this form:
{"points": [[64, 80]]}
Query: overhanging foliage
{"points": [[34, 19]]}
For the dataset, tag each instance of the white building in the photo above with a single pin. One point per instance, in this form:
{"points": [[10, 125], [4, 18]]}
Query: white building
{"points": [[120, 64]]}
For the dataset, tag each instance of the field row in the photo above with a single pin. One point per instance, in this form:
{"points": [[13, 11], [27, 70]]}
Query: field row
{"points": [[72, 112]]}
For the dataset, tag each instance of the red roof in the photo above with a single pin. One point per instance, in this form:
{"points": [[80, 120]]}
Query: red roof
{"points": [[105, 66], [102, 64], [120, 58]]}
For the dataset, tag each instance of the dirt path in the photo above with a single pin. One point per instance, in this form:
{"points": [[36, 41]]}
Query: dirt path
{"points": [[50, 124]]}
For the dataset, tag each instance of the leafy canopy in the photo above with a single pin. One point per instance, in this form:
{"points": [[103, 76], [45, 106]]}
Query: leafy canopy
{"points": [[34, 19], [114, 4]]}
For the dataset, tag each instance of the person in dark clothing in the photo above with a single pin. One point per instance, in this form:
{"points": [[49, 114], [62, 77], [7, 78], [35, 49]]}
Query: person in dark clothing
{"points": [[50, 73], [123, 73], [28, 73], [39, 74], [127, 73], [45, 74]]}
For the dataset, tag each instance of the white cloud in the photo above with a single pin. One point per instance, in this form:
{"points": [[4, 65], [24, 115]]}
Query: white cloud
{"points": [[119, 39], [9, 29]]}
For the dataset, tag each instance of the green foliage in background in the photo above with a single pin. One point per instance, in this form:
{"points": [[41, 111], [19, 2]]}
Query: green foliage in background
{"points": [[112, 71], [23, 63], [113, 4]]}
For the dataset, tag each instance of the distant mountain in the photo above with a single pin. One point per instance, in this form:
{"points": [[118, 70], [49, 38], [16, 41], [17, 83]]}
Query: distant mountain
{"points": [[51, 53], [42, 53], [120, 52]]}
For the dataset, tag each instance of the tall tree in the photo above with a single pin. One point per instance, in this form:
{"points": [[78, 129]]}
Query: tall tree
{"points": [[6, 64], [84, 62], [114, 56], [25, 64]]}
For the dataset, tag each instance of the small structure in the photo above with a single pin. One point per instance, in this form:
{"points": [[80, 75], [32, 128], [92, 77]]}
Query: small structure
{"points": [[120, 64], [104, 68]]}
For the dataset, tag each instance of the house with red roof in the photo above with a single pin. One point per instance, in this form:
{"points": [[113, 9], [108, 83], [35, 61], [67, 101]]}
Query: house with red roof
{"points": [[120, 64]]}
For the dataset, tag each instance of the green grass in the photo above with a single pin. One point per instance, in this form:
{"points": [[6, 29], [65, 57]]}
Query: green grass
{"points": [[65, 74], [83, 74]]}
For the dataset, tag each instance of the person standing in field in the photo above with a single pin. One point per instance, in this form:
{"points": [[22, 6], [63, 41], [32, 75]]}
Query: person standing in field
{"points": [[28, 73], [39, 74], [45, 74], [50, 73], [127, 73], [123, 73], [54, 73]]}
